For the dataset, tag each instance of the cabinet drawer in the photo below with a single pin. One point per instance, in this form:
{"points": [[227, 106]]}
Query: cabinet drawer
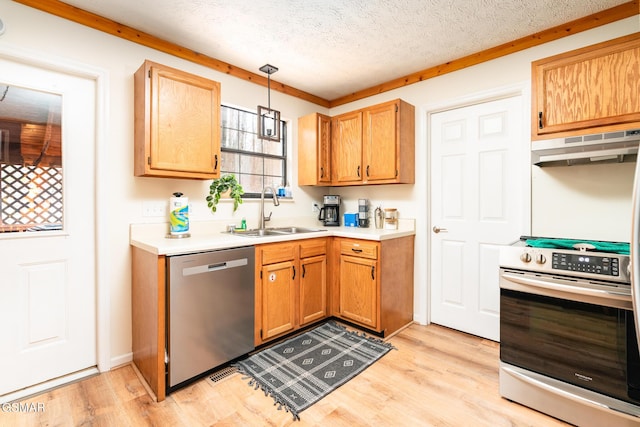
{"points": [[313, 247], [359, 248], [279, 252]]}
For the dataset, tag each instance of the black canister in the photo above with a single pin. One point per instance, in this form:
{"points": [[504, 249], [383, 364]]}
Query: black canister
{"points": [[363, 213]]}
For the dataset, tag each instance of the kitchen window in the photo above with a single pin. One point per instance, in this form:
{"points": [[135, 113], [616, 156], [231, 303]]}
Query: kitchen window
{"points": [[255, 162]]}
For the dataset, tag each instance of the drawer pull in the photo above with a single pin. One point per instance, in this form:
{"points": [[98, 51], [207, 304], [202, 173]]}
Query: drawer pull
{"points": [[540, 120], [356, 250]]}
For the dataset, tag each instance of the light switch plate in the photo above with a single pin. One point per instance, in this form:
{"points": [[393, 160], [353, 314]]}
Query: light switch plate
{"points": [[154, 209]]}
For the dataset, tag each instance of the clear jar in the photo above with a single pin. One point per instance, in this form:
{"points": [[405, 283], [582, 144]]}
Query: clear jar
{"points": [[391, 219]]}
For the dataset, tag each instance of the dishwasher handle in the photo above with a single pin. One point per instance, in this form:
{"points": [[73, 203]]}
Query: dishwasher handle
{"points": [[209, 268]]}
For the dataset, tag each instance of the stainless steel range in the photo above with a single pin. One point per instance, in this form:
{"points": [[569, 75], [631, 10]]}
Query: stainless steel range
{"points": [[568, 343]]}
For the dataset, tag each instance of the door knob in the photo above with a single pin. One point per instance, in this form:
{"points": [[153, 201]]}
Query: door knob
{"points": [[437, 229]]}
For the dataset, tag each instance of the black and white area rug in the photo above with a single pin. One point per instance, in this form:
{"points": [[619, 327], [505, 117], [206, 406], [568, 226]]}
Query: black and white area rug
{"points": [[302, 370]]}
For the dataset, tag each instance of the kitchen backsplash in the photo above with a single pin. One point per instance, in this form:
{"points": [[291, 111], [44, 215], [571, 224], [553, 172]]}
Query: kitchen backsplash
{"points": [[588, 201]]}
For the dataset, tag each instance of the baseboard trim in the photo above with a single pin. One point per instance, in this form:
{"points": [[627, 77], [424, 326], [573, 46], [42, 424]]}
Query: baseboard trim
{"points": [[123, 359]]}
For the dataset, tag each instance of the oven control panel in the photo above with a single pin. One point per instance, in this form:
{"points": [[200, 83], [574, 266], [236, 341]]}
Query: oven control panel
{"points": [[607, 266]]}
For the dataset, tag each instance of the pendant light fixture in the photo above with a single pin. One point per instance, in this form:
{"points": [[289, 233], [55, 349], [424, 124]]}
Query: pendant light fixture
{"points": [[268, 119]]}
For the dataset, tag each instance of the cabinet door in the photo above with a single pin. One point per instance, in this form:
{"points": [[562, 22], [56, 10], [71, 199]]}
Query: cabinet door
{"points": [[314, 150], [359, 290], [346, 139], [313, 289], [379, 142], [278, 299], [587, 89], [177, 124], [323, 168]]}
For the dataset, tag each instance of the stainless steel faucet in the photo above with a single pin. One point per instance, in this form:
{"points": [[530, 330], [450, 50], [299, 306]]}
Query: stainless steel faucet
{"points": [[276, 202]]}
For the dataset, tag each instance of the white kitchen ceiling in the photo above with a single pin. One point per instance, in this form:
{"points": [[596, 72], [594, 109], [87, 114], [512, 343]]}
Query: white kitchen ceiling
{"points": [[331, 48]]}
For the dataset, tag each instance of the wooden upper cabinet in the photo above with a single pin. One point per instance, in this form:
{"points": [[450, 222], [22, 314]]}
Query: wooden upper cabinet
{"points": [[373, 145], [177, 124], [346, 141], [593, 89], [314, 149], [388, 143]]}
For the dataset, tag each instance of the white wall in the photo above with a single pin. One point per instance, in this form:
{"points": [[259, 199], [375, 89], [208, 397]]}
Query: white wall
{"points": [[32, 30], [29, 29], [552, 199]]}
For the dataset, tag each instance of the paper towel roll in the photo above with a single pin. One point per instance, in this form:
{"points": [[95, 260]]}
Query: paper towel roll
{"points": [[178, 214]]}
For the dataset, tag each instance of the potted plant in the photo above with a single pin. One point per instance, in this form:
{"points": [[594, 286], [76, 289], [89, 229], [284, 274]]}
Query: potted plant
{"points": [[225, 184]]}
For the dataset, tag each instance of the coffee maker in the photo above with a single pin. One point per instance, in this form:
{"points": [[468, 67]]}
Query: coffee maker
{"points": [[330, 212]]}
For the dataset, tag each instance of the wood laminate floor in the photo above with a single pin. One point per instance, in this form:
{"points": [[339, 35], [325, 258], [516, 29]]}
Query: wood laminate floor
{"points": [[436, 377]]}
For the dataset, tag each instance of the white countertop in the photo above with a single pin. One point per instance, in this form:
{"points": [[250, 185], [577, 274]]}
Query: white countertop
{"points": [[206, 236]]}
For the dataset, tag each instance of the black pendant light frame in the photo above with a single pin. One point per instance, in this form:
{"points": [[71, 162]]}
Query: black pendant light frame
{"points": [[268, 119]]}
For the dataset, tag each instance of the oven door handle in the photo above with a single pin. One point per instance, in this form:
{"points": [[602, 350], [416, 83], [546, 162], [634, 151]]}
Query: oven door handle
{"points": [[555, 288]]}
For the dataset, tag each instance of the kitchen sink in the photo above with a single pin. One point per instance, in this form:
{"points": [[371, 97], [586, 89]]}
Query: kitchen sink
{"points": [[277, 231], [294, 230]]}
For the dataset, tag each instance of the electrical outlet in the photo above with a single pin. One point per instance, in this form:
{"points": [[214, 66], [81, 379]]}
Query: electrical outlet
{"points": [[154, 209], [314, 207]]}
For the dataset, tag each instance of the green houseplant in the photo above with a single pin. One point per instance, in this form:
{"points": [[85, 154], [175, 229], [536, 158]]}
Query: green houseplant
{"points": [[226, 183]]}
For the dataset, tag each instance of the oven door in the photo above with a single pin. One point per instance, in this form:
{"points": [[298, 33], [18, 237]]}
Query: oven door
{"points": [[573, 331]]}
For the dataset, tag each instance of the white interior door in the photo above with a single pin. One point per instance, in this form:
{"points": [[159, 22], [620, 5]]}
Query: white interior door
{"points": [[478, 198], [48, 283]]}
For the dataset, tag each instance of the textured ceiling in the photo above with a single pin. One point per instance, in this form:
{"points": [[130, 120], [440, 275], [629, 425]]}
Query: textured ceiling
{"points": [[331, 48]]}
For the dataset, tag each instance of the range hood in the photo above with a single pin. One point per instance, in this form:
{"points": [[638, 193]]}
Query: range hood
{"points": [[618, 146]]}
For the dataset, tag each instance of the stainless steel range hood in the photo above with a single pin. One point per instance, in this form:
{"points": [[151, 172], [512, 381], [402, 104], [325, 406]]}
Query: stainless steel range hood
{"points": [[619, 146]]}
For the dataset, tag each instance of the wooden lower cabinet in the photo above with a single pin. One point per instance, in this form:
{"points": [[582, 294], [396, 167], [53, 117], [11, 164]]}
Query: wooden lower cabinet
{"points": [[313, 289], [291, 289], [300, 282], [149, 313], [278, 286], [358, 290], [374, 285]]}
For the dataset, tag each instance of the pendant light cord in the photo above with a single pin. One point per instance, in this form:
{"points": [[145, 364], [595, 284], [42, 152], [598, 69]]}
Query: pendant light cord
{"points": [[269, 92]]}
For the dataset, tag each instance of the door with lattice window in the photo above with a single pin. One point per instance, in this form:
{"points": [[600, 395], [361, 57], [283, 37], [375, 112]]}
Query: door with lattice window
{"points": [[47, 226]]}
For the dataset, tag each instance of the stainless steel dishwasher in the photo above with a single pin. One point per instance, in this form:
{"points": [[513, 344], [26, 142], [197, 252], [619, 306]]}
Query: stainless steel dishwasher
{"points": [[210, 310]]}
